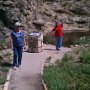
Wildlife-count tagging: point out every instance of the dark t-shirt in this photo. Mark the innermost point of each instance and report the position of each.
(17, 38)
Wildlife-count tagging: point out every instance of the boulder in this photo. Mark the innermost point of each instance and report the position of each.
(49, 13)
(69, 21)
(39, 22)
(80, 20)
(9, 3)
(57, 8)
(25, 12)
(78, 10)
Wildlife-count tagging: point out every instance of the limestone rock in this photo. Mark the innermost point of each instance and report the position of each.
(39, 22)
(57, 8)
(80, 20)
(78, 10)
(27, 12)
(9, 3)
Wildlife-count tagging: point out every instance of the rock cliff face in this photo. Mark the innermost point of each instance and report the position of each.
(41, 14)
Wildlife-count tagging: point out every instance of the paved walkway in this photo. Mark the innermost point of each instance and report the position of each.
(29, 76)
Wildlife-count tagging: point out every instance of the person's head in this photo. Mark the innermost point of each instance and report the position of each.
(58, 22)
(17, 26)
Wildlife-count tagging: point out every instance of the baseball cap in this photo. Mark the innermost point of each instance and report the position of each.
(17, 24)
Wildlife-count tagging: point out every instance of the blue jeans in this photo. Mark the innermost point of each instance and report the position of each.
(17, 55)
(59, 42)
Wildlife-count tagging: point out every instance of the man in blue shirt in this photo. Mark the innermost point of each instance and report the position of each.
(17, 37)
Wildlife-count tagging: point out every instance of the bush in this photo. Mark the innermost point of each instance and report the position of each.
(68, 77)
(3, 44)
(85, 57)
(68, 74)
(5, 64)
(82, 40)
(2, 80)
(49, 39)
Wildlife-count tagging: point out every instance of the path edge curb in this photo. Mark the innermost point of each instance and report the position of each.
(43, 83)
(5, 87)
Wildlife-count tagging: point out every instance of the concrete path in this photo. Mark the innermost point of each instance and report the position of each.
(28, 77)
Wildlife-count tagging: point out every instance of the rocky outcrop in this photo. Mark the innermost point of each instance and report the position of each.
(80, 20)
(32, 12)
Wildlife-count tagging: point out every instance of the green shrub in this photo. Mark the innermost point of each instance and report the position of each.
(3, 44)
(5, 64)
(67, 58)
(1, 57)
(86, 69)
(69, 75)
(49, 39)
(7, 54)
(82, 40)
(2, 80)
(4, 69)
(85, 56)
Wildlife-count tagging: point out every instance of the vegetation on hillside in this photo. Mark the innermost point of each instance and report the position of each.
(28, 11)
(5, 60)
(82, 40)
(72, 73)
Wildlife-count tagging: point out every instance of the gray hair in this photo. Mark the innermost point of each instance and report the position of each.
(59, 21)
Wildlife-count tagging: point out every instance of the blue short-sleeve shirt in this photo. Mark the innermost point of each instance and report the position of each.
(17, 38)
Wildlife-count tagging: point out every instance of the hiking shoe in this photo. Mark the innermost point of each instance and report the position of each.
(14, 68)
(19, 66)
(58, 49)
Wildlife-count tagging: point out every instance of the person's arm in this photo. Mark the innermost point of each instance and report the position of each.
(54, 29)
(62, 25)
